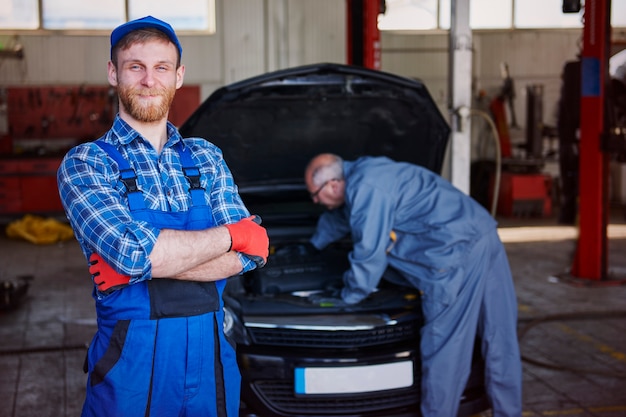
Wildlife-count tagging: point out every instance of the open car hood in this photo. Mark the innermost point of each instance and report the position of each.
(270, 126)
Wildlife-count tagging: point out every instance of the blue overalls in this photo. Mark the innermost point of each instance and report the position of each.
(448, 247)
(160, 348)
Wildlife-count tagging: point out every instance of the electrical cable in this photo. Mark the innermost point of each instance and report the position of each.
(590, 315)
(496, 136)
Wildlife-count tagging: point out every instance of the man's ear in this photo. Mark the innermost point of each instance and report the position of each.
(180, 76)
(112, 74)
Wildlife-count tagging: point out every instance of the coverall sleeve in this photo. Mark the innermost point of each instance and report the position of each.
(371, 221)
(331, 226)
(99, 217)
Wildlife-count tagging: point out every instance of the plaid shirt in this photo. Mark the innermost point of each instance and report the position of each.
(97, 208)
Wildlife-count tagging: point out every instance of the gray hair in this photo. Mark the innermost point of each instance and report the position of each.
(330, 171)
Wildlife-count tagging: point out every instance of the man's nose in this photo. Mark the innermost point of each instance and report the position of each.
(148, 78)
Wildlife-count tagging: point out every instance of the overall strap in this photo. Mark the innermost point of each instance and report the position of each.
(127, 176)
(192, 173)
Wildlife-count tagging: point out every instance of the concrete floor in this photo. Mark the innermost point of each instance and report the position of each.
(572, 331)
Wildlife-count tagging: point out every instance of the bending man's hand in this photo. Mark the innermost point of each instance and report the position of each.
(250, 238)
(328, 298)
(105, 277)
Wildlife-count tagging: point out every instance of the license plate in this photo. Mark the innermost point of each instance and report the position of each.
(353, 379)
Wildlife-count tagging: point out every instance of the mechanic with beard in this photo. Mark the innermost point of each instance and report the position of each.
(162, 224)
(441, 242)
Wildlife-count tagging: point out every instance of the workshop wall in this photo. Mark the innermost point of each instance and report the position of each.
(255, 36)
(425, 56)
(58, 94)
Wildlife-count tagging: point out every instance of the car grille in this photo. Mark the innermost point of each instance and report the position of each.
(340, 339)
(279, 395)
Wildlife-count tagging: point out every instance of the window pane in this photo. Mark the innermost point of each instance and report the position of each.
(81, 14)
(444, 14)
(498, 17)
(618, 13)
(19, 14)
(491, 14)
(409, 15)
(545, 14)
(181, 14)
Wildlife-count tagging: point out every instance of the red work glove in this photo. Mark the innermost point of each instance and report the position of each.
(250, 238)
(104, 276)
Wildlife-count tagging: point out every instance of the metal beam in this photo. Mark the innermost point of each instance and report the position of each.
(460, 93)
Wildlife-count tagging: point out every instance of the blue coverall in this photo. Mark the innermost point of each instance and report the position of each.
(447, 246)
(160, 349)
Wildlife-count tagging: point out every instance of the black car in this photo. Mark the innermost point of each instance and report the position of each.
(298, 358)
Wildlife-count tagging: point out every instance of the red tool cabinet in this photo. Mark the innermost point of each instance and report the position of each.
(524, 195)
(29, 186)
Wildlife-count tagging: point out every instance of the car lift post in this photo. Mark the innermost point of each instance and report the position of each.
(590, 260)
(363, 34)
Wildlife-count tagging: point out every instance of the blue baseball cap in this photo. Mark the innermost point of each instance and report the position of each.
(143, 23)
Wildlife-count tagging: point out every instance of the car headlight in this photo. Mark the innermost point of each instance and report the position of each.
(233, 327)
(229, 322)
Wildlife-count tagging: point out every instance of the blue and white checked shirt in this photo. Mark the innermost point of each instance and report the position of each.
(96, 206)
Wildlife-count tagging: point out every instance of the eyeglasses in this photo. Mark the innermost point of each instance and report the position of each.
(314, 194)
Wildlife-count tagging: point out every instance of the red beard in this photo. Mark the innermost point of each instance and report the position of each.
(153, 111)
